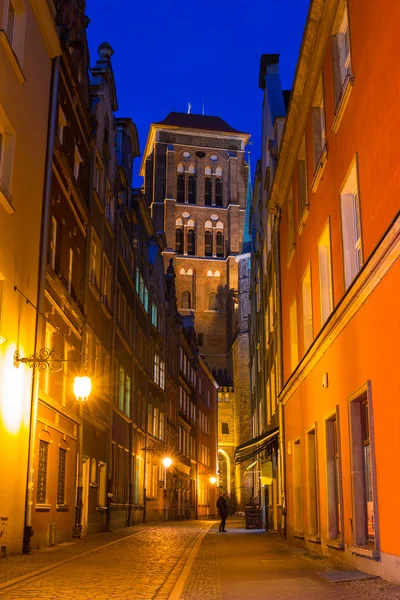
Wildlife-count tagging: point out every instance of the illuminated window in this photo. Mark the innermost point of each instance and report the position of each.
(62, 122)
(308, 331)
(351, 226)
(42, 472)
(128, 396)
(62, 463)
(325, 274)
(70, 268)
(318, 122)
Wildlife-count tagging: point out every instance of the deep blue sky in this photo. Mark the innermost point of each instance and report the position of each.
(169, 53)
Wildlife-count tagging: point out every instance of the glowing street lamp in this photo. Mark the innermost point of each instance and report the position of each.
(82, 388)
(167, 462)
(213, 480)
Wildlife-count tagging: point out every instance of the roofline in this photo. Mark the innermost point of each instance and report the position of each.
(154, 127)
(265, 60)
(317, 32)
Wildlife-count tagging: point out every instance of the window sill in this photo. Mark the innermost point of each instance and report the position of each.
(298, 535)
(303, 219)
(335, 544)
(6, 200)
(366, 552)
(12, 56)
(101, 508)
(319, 169)
(62, 507)
(342, 102)
(314, 539)
(43, 507)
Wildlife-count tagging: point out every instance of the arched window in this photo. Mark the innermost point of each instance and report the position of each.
(220, 243)
(179, 240)
(186, 300)
(209, 273)
(180, 188)
(212, 301)
(218, 191)
(191, 242)
(191, 189)
(208, 239)
(207, 191)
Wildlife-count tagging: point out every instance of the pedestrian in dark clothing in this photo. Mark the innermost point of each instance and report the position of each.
(222, 505)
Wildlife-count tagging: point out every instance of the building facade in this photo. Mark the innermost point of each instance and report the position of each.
(195, 185)
(29, 48)
(335, 193)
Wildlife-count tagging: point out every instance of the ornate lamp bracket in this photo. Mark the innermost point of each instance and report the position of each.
(48, 360)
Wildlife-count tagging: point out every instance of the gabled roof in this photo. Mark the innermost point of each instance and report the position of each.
(191, 121)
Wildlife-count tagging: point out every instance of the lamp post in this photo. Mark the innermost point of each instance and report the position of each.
(82, 389)
(167, 462)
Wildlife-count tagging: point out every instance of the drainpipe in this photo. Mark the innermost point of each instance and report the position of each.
(44, 234)
(280, 373)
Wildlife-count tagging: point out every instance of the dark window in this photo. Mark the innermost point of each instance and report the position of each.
(207, 191)
(220, 243)
(225, 427)
(186, 300)
(212, 301)
(191, 242)
(179, 240)
(218, 191)
(180, 195)
(42, 472)
(208, 243)
(191, 189)
(62, 461)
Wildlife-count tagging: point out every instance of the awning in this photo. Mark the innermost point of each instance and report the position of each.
(255, 446)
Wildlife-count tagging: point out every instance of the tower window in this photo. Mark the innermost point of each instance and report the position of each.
(225, 427)
(191, 189)
(191, 242)
(207, 191)
(180, 194)
(212, 301)
(218, 192)
(186, 300)
(208, 243)
(179, 240)
(220, 243)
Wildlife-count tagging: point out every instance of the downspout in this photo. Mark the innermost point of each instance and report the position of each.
(280, 372)
(44, 234)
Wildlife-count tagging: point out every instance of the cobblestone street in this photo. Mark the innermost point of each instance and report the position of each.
(183, 560)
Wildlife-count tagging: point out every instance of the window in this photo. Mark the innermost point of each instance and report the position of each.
(312, 484)
(208, 239)
(325, 273)
(191, 189)
(258, 358)
(11, 23)
(191, 242)
(102, 490)
(42, 472)
(179, 240)
(333, 477)
(62, 463)
(128, 396)
(180, 185)
(156, 371)
(62, 122)
(70, 268)
(53, 242)
(294, 342)
(162, 374)
(7, 139)
(106, 291)
(302, 190)
(77, 162)
(308, 333)
(110, 206)
(98, 178)
(225, 428)
(186, 300)
(318, 123)
(290, 216)
(207, 191)
(218, 192)
(220, 243)
(351, 226)
(362, 471)
(212, 301)
(154, 314)
(121, 395)
(297, 488)
(341, 55)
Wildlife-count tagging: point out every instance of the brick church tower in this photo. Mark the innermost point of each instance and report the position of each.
(195, 185)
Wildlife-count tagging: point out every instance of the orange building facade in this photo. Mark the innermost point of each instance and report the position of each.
(335, 195)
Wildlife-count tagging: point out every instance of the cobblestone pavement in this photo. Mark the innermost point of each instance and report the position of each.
(141, 567)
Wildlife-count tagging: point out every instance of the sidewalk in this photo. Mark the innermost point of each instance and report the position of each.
(250, 565)
(18, 565)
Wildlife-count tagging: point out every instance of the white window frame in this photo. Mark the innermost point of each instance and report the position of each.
(351, 225)
(325, 273)
(6, 161)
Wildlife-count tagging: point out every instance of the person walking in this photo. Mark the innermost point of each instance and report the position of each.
(222, 505)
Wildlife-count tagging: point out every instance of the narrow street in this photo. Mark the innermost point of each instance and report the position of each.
(184, 560)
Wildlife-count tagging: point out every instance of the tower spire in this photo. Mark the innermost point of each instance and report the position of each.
(246, 244)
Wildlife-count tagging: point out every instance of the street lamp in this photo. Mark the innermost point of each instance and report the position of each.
(167, 462)
(82, 388)
(213, 480)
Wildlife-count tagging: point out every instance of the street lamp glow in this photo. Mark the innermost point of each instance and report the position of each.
(167, 462)
(82, 388)
(213, 480)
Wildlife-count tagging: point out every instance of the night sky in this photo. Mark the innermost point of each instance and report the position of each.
(169, 53)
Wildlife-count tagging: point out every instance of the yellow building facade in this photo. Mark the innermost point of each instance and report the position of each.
(28, 45)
